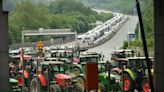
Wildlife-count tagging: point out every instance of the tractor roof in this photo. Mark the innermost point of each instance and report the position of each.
(102, 62)
(89, 54)
(26, 57)
(54, 59)
(122, 50)
(61, 51)
(64, 59)
(51, 62)
(138, 58)
(122, 59)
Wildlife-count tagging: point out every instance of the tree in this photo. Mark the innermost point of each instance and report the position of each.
(29, 16)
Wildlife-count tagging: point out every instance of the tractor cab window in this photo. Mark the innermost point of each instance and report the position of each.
(76, 54)
(145, 63)
(119, 55)
(135, 64)
(92, 59)
(69, 54)
(121, 63)
(88, 59)
(128, 54)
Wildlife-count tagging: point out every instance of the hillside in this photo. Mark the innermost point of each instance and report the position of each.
(27, 14)
(124, 6)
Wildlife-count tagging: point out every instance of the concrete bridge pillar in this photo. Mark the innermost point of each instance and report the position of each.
(4, 64)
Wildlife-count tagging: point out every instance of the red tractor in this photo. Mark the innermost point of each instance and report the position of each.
(53, 79)
(20, 73)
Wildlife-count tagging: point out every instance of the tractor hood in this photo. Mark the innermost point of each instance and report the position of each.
(105, 75)
(63, 76)
(12, 80)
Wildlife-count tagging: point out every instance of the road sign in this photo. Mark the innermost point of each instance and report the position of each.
(131, 37)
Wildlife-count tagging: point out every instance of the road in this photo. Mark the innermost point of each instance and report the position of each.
(117, 41)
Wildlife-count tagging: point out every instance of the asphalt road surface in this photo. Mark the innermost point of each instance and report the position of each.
(117, 41)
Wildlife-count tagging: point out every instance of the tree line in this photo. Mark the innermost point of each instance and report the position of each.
(58, 14)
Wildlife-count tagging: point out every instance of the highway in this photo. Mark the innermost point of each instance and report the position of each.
(117, 41)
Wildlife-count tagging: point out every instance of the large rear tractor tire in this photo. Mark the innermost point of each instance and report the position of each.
(20, 80)
(26, 89)
(128, 85)
(145, 85)
(76, 88)
(54, 88)
(35, 85)
(81, 82)
(101, 87)
(77, 71)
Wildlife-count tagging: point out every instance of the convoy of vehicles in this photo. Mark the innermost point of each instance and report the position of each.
(65, 71)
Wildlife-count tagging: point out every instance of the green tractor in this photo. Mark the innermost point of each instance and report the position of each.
(134, 74)
(52, 79)
(79, 71)
(108, 83)
(14, 85)
(84, 58)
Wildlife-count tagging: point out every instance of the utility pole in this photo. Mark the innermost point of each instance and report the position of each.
(145, 46)
(4, 61)
(159, 45)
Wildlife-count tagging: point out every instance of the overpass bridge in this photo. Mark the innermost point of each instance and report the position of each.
(47, 32)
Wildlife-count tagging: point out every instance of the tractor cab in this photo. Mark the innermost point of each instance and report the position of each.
(135, 74)
(52, 66)
(123, 53)
(72, 55)
(58, 53)
(87, 57)
(90, 57)
(17, 61)
(139, 65)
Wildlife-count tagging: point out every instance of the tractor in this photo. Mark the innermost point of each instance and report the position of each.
(16, 70)
(108, 83)
(14, 85)
(86, 57)
(134, 74)
(79, 70)
(71, 55)
(52, 79)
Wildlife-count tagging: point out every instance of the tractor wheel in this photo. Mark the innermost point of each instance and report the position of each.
(76, 88)
(145, 85)
(25, 89)
(81, 82)
(128, 85)
(35, 85)
(77, 71)
(20, 80)
(101, 87)
(54, 88)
